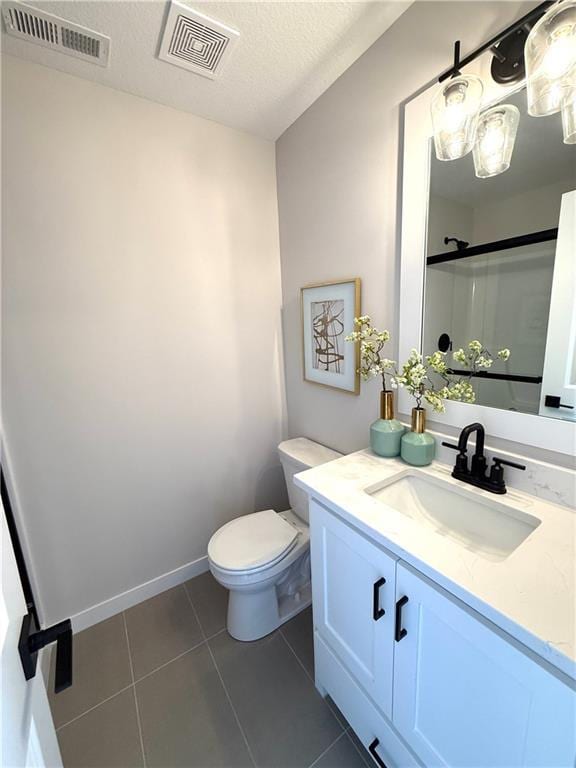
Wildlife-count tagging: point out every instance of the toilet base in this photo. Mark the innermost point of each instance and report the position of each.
(260, 602)
(253, 615)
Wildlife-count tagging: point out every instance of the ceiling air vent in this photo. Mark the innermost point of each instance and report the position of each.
(196, 42)
(53, 32)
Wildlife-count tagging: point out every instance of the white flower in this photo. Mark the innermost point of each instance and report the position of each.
(460, 356)
(503, 354)
(475, 346)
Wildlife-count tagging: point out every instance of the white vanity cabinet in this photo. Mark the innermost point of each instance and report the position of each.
(464, 695)
(353, 585)
(429, 682)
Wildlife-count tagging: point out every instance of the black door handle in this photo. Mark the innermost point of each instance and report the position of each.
(377, 612)
(33, 640)
(375, 755)
(399, 632)
(553, 401)
(63, 677)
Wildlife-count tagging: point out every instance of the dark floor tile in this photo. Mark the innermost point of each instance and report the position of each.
(366, 757)
(101, 669)
(337, 714)
(186, 718)
(105, 737)
(210, 601)
(299, 633)
(286, 722)
(161, 629)
(342, 754)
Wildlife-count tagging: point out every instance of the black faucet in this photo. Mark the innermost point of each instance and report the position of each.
(476, 475)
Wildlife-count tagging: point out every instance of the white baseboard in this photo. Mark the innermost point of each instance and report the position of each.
(118, 603)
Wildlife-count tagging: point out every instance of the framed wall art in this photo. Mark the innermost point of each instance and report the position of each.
(328, 312)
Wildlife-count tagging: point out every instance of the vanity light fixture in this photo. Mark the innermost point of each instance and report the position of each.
(495, 137)
(549, 60)
(455, 111)
(456, 106)
(550, 54)
(569, 118)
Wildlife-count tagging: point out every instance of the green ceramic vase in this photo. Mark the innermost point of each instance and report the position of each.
(386, 432)
(417, 447)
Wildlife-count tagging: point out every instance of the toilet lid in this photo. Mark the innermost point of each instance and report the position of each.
(251, 541)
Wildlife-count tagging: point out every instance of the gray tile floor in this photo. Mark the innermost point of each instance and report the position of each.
(163, 685)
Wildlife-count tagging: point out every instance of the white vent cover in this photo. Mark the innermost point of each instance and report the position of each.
(196, 42)
(50, 31)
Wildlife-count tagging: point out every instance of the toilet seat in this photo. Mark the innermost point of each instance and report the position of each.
(252, 543)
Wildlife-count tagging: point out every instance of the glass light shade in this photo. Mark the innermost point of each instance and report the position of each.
(455, 111)
(495, 136)
(569, 118)
(550, 54)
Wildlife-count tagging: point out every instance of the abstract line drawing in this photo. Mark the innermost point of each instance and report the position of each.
(328, 335)
(328, 312)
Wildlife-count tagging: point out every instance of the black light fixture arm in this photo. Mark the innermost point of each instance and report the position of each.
(456, 65)
(529, 19)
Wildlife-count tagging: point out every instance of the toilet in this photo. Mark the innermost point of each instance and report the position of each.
(263, 559)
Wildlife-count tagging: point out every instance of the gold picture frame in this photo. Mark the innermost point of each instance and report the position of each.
(327, 312)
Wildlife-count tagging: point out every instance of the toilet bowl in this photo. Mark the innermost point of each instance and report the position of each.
(263, 559)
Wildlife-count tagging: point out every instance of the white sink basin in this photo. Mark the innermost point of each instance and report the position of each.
(487, 527)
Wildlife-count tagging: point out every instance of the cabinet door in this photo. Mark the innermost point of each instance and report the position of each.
(353, 592)
(465, 695)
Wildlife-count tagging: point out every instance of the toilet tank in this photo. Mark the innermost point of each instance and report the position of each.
(297, 455)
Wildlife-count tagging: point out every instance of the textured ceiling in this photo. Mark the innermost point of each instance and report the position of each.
(288, 54)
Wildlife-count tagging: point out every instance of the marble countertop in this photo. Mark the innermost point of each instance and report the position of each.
(531, 594)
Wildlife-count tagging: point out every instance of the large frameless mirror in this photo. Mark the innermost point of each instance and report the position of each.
(497, 268)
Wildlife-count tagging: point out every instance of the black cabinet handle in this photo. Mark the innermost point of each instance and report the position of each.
(399, 632)
(375, 755)
(377, 612)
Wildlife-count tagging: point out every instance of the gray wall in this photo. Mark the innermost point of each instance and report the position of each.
(143, 390)
(338, 193)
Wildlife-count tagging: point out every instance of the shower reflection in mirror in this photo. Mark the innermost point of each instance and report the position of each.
(500, 268)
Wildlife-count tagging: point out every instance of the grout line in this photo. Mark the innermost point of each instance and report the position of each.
(195, 612)
(328, 704)
(134, 689)
(357, 748)
(231, 705)
(143, 677)
(328, 748)
(308, 675)
(73, 720)
(128, 646)
(166, 663)
(217, 668)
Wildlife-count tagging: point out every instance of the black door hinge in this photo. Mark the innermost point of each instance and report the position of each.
(33, 640)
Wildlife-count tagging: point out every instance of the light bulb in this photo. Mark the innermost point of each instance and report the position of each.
(560, 54)
(454, 114)
(454, 107)
(496, 134)
(550, 55)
